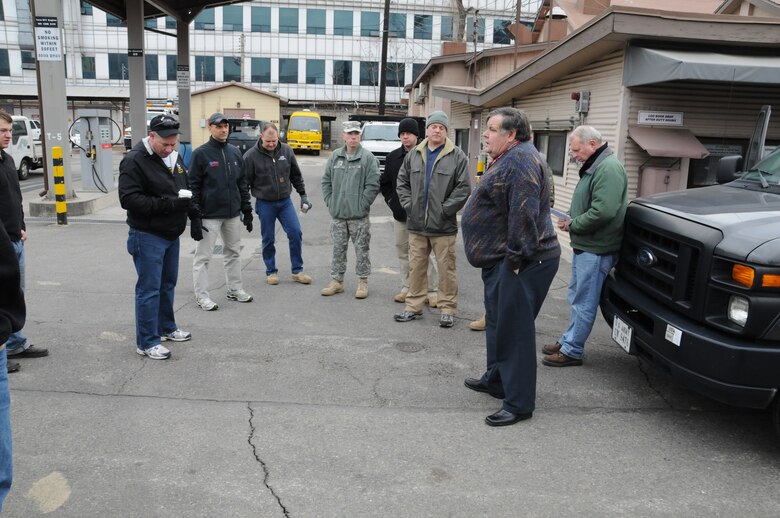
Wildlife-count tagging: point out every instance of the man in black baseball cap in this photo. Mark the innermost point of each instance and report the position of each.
(164, 126)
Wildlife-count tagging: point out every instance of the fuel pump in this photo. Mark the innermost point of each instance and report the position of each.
(96, 141)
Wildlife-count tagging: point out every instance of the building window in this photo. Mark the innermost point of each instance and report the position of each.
(342, 72)
(28, 60)
(395, 74)
(150, 23)
(397, 25)
(369, 24)
(88, 67)
(86, 9)
(170, 67)
(231, 68)
(205, 20)
(288, 20)
(446, 28)
(462, 140)
(170, 22)
(472, 31)
(417, 69)
(315, 71)
(5, 66)
(423, 26)
(117, 66)
(233, 18)
(369, 73)
(152, 70)
(342, 23)
(315, 21)
(501, 32)
(261, 19)
(113, 21)
(261, 70)
(204, 68)
(552, 145)
(288, 71)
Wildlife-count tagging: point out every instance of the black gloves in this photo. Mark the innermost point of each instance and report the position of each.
(305, 204)
(247, 220)
(179, 204)
(196, 229)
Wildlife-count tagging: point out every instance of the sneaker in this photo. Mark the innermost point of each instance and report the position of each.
(206, 304)
(272, 279)
(549, 349)
(432, 300)
(406, 316)
(239, 296)
(478, 325)
(362, 288)
(332, 288)
(176, 336)
(31, 352)
(446, 320)
(155, 352)
(401, 297)
(12, 367)
(561, 360)
(303, 278)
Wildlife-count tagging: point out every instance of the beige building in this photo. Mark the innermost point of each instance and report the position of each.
(236, 101)
(671, 91)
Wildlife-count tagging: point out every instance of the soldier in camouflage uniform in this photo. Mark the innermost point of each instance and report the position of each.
(349, 185)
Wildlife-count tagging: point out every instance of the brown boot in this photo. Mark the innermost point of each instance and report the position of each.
(401, 297)
(362, 289)
(478, 325)
(332, 288)
(551, 348)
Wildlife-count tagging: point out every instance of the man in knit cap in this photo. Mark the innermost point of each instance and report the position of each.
(433, 185)
(408, 132)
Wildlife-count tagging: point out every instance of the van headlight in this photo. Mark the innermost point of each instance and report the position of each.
(738, 310)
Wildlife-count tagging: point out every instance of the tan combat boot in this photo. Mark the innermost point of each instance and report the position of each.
(478, 325)
(332, 288)
(362, 289)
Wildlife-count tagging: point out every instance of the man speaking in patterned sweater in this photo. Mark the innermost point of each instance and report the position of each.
(507, 231)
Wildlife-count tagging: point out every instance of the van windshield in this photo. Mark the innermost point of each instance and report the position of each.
(381, 132)
(304, 123)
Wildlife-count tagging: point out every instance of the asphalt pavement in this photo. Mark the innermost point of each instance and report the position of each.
(301, 405)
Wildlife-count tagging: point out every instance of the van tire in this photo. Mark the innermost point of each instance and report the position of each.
(775, 413)
(24, 169)
(317, 153)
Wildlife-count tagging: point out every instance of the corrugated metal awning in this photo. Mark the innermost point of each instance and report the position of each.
(668, 142)
(649, 66)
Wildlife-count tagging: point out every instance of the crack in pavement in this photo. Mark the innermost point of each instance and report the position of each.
(131, 378)
(263, 464)
(646, 374)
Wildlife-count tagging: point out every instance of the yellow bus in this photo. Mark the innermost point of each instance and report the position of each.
(304, 131)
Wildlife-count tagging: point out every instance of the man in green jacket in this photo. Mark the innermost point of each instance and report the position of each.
(349, 186)
(433, 185)
(598, 207)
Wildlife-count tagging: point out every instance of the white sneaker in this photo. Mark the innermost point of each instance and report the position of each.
(176, 336)
(239, 296)
(206, 304)
(155, 352)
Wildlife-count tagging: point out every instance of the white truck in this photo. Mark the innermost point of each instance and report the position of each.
(25, 148)
(380, 137)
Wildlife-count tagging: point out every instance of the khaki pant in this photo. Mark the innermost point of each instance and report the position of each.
(230, 231)
(443, 248)
(402, 250)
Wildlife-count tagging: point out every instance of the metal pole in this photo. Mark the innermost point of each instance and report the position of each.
(383, 65)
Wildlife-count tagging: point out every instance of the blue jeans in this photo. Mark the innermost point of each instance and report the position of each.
(157, 263)
(284, 211)
(17, 341)
(588, 272)
(512, 302)
(6, 460)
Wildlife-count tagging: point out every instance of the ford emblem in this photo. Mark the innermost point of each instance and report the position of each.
(646, 258)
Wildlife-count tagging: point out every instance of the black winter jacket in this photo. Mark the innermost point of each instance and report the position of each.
(11, 210)
(219, 188)
(271, 175)
(12, 309)
(147, 190)
(388, 182)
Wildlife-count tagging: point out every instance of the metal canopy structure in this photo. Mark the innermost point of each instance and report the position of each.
(184, 10)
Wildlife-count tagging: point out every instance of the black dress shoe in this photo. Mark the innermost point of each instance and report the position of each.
(475, 384)
(12, 366)
(31, 352)
(504, 418)
(406, 316)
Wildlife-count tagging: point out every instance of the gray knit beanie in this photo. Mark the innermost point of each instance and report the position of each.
(438, 117)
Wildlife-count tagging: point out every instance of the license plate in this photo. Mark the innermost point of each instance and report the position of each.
(622, 333)
(304, 147)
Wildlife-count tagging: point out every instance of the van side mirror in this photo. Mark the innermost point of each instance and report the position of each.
(728, 168)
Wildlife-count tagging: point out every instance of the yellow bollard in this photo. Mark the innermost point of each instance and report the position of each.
(480, 167)
(59, 186)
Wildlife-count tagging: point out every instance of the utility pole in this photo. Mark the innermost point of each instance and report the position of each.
(383, 64)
